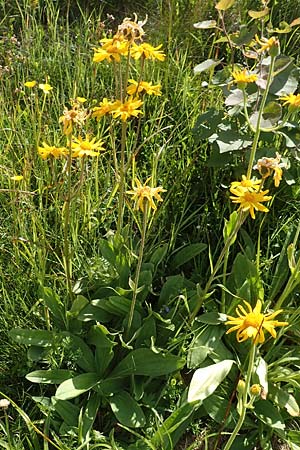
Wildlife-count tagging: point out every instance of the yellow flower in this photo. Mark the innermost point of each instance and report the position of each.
(266, 165)
(249, 199)
(243, 76)
(255, 389)
(80, 99)
(86, 147)
(46, 88)
(271, 45)
(112, 49)
(147, 51)
(246, 184)
(144, 194)
(143, 86)
(30, 84)
(17, 177)
(127, 109)
(51, 150)
(251, 323)
(77, 115)
(106, 107)
(292, 100)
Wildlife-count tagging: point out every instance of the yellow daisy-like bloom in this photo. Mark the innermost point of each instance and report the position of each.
(111, 50)
(147, 51)
(86, 147)
(106, 107)
(249, 199)
(292, 100)
(30, 84)
(246, 184)
(17, 177)
(250, 324)
(51, 150)
(271, 45)
(144, 194)
(265, 166)
(143, 87)
(74, 116)
(243, 76)
(46, 88)
(127, 109)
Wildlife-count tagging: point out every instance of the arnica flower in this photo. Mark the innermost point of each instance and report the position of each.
(17, 177)
(131, 30)
(112, 49)
(46, 88)
(255, 389)
(250, 324)
(247, 184)
(146, 51)
(143, 87)
(265, 166)
(51, 150)
(243, 76)
(271, 45)
(250, 200)
(144, 194)
(127, 109)
(106, 107)
(86, 147)
(292, 100)
(30, 84)
(74, 116)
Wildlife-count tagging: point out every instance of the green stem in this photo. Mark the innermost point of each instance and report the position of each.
(245, 398)
(138, 268)
(122, 180)
(259, 117)
(223, 299)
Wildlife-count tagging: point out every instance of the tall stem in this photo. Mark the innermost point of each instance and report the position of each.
(259, 117)
(245, 399)
(122, 179)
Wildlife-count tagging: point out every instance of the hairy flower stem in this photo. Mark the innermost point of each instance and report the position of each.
(223, 298)
(138, 268)
(218, 264)
(259, 117)
(122, 180)
(245, 398)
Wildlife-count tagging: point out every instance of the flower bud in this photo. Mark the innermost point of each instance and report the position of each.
(255, 389)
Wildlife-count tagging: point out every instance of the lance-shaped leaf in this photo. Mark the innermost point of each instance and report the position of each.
(206, 65)
(222, 5)
(205, 24)
(76, 386)
(127, 410)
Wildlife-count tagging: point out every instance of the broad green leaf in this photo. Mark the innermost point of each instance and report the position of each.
(159, 254)
(67, 410)
(212, 318)
(229, 226)
(217, 408)
(206, 65)
(54, 376)
(205, 24)
(206, 380)
(272, 112)
(186, 254)
(222, 5)
(127, 410)
(83, 355)
(40, 338)
(78, 305)
(235, 98)
(268, 414)
(229, 141)
(261, 372)
(76, 386)
(203, 344)
(53, 302)
(144, 361)
(285, 400)
(259, 14)
(264, 123)
(91, 312)
(244, 36)
(89, 415)
(99, 336)
(173, 287)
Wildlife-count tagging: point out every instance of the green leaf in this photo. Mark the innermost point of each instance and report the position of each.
(216, 407)
(127, 410)
(272, 112)
(98, 336)
(229, 141)
(53, 302)
(261, 373)
(76, 386)
(67, 410)
(159, 254)
(186, 254)
(223, 5)
(173, 287)
(78, 305)
(268, 414)
(236, 97)
(40, 338)
(259, 14)
(206, 380)
(144, 361)
(206, 65)
(54, 376)
(229, 226)
(284, 400)
(83, 354)
(205, 24)
(89, 415)
(91, 312)
(203, 344)
(212, 318)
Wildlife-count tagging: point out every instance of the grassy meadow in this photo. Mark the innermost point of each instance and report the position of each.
(149, 225)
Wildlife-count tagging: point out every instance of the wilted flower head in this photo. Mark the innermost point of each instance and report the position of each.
(265, 166)
(131, 30)
(144, 194)
(4, 403)
(271, 45)
(251, 323)
(74, 116)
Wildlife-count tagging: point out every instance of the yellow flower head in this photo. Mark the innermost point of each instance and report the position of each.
(106, 107)
(30, 84)
(255, 389)
(249, 199)
(51, 150)
(292, 100)
(74, 116)
(243, 76)
(246, 184)
(127, 109)
(131, 30)
(112, 49)
(46, 88)
(146, 51)
(271, 45)
(143, 87)
(144, 194)
(17, 177)
(86, 147)
(252, 323)
(265, 166)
